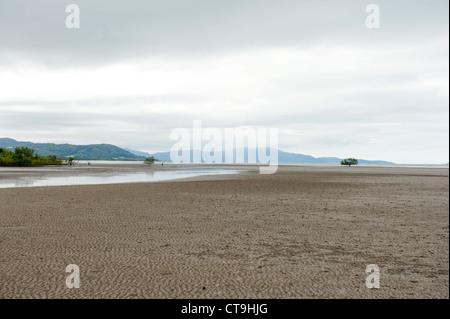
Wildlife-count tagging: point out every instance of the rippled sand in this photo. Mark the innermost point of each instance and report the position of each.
(301, 233)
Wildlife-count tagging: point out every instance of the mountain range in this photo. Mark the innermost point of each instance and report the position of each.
(283, 157)
(79, 152)
(112, 152)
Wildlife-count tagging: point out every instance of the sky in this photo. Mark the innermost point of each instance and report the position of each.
(136, 70)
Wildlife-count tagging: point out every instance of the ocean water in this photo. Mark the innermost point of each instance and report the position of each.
(150, 176)
(115, 172)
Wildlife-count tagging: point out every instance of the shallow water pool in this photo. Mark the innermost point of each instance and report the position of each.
(151, 176)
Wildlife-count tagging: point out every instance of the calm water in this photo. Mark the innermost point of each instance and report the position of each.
(55, 176)
(151, 176)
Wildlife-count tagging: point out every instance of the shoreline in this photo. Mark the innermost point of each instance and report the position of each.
(15, 175)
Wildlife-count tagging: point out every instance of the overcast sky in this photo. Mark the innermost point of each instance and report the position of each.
(135, 70)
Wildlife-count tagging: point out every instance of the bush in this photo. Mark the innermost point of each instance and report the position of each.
(24, 156)
(349, 161)
(149, 160)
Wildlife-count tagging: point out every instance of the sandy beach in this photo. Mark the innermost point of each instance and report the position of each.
(304, 232)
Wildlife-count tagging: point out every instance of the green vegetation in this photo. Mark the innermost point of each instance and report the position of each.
(349, 161)
(149, 160)
(78, 152)
(24, 156)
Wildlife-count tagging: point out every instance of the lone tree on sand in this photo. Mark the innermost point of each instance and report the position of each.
(349, 161)
(149, 160)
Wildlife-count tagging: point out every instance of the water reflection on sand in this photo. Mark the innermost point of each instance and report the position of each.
(33, 180)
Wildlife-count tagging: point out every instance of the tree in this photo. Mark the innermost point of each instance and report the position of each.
(349, 161)
(23, 156)
(24, 151)
(149, 160)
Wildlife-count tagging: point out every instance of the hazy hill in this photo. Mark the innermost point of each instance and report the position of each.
(137, 153)
(112, 152)
(283, 157)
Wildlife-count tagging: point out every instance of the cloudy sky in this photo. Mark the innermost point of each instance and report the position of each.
(135, 70)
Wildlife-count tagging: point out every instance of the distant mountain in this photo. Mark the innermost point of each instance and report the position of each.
(283, 157)
(9, 142)
(137, 153)
(111, 152)
(79, 152)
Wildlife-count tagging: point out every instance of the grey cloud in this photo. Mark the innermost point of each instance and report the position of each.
(151, 132)
(397, 106)
(115, 30)
(386, 107)
(108, 101)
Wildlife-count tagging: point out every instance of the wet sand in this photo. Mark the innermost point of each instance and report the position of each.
(100, 174)
(305, 232)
